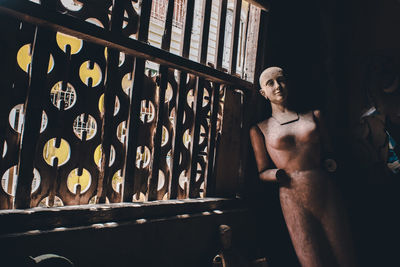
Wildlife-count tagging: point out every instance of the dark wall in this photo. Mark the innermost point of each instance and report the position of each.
(325, 47)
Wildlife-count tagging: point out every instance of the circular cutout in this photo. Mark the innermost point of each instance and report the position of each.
(186, 138)
(168, 159)
(24, 58)
(161, 180)
(95, 22)
(117, 181)
(172, 116)
(176, 75)
(17, 116)
(5, 149)
(127, 82)
(45, 202)
(51, 64)
(36, 180)
(169, 93)
(198, 172)
(125, 22)
(116, 107)
(51, 152)
(72, 5)
(68, 96)
(121, 132)
(121, 57)
(90, 74)
(64, 40)
(97, 156)
(94, 199)
(74, 179)
(81, 125)
(142, 157)
(183, 180)
(190, 98)
(206, 97)
(202, 190)
(147, 111)
(10, 179)
(44, 122)
(165, 136)
(139, 197)
(202, 134)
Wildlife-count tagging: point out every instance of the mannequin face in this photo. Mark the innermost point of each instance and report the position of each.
(273, 85)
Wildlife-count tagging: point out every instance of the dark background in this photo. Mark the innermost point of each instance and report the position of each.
(325, 47)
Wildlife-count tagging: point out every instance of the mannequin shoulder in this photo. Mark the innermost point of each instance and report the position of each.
(260, 129)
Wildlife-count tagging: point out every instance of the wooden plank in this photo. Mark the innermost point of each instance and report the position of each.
(165, 44)
(180, 103)
(229, 147)
(210, 182)
(111, 85)
(250, 97)
(198, 100)
(134, 117)
(33, 116)
(166, 38)
(235, 36)
(221, 33)
(36, 14)
(37, 219)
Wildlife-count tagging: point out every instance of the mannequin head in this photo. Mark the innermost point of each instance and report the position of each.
(273, 85)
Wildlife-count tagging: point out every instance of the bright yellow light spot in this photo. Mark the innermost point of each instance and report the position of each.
(85, 73)
(74, 179)
(24, 58)
(50, 152)
(127, 83)
(101, 104)
(116, 181)
(64, 39)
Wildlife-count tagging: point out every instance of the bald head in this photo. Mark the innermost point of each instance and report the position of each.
(269, 73)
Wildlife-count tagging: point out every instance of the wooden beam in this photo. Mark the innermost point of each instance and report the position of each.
(165, 44)
(33, 117)
(38, 15)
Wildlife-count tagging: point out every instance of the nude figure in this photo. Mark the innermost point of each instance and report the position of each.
(288, 149)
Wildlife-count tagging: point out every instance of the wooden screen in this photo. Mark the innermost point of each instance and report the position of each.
(98, 105)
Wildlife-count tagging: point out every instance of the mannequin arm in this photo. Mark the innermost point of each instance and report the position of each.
(262, 158)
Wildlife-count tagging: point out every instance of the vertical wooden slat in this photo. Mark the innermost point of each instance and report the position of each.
(249, 98)
(166, 38)
(9, 30)
(181, 99)
(244, 38)
(205, 26)
(210, 183)
(134, 117)
(165, 44)
(229, 147)
(221, 33)
(198, 100)
(235, 36)
(33, 116)
(212, 134)
(111, 85)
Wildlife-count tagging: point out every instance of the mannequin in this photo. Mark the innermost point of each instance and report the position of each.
(288, 149)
